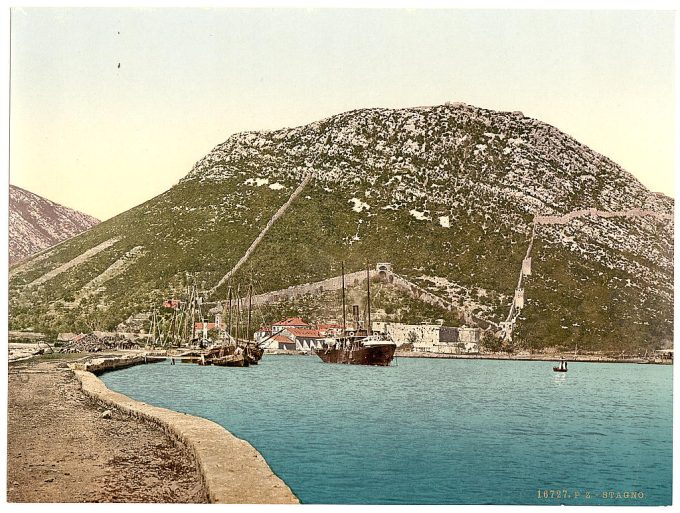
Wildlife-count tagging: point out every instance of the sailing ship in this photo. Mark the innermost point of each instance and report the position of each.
(230, 351)
(234, 352)
(359, 347)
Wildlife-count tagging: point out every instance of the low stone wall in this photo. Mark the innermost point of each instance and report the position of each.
(232, 471)
(72, 263)
(101, 365)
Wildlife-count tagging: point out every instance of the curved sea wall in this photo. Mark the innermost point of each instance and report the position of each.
(231, 470)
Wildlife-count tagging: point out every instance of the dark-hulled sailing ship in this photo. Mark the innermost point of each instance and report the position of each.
(361, 346)
(234, 352)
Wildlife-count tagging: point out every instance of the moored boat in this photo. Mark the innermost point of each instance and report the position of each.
(368, 350)
(232, 360)
(361, 347)
(234, 351)
(253, 353)
(562, 367)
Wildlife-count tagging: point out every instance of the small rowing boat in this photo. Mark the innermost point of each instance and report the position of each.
(562, 367)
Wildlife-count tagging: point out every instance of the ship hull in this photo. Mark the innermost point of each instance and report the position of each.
(380, 355)
(230, 361)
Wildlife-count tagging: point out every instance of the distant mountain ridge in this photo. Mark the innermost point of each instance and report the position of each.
(451, 195)
(36, 223)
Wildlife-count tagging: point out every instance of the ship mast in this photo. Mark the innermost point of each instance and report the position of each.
(193, 308)
(153, 328)
(344, 319)
(368, 293)
(238, 309)
(250, 302)
(185, 319)
(229, 310)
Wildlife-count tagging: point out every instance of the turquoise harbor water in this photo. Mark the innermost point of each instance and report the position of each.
(428, 431)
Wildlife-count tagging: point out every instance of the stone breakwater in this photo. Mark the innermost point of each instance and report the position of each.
(105, 364)
(231, 470)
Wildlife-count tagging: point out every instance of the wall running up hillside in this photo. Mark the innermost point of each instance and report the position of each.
(519, 298)
(260, 236)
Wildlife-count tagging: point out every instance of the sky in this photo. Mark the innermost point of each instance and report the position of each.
(110, 107)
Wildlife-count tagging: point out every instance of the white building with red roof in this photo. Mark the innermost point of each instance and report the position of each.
(263, 334)
(305, 338)
(278, 342)
(294, 333)
(291, 322)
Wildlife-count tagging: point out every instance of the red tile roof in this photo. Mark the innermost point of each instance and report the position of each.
(282, 339)
(209, 325)
(328, 326)
(291, 321)
(302, 332)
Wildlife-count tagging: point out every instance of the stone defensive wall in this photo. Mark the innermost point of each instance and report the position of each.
(351, 279)
(419, 292)
(74, 262)
(331, 284)
(232, 471)
(355, 278)
(518, 300)
(282, 210)
(566, 218)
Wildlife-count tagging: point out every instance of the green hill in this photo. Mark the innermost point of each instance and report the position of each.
(447, 194)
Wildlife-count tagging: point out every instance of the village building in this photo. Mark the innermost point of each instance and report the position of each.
(279, 342)
(172, 303)
(135, 323)
(469, 335)
(202, 328)
(206, 326)
(262, 334)
(432, 338)
(329, 330)
(295, 333)
(305, 339)
(66, 337)
(664, 354)
(291, 322)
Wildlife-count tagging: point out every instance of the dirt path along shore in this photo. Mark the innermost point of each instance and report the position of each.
(61, 448)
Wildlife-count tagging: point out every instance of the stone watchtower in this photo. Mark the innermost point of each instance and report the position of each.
(384, 270)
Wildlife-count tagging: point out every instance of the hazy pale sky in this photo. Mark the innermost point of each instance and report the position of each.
(102, 138)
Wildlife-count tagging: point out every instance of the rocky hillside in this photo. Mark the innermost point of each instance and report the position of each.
(448, 194)
(36, 223)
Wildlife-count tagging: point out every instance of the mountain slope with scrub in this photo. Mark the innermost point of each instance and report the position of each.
(451, 195)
